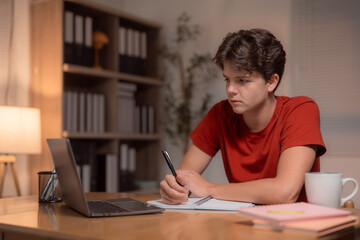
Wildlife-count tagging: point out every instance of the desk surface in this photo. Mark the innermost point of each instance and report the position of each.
(24, 217)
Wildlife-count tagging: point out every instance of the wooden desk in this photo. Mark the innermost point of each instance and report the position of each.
(25, 218)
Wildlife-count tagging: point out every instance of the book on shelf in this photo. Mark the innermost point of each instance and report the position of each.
(130, 50)
(150, 119)
(137, 119)
(68, 37)
(82, 112)
(79, 39)
(318, 227)
(122, 49)
(70, 100)
(123, 158)
(95, 116)
(71, 111)
(64, 109)
(136, 53)
(86, 177)
(112, 170)
(88, 56)
(89, 113)
(74, 111)
(102, 113)
(143, 53)
(292, 212)
(127, 159)
(144, 119)
(132, 168)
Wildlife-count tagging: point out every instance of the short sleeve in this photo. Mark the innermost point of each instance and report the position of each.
(302, 127)
(206, 135)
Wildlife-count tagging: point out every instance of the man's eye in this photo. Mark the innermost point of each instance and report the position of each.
(241, 81)
(226, 79)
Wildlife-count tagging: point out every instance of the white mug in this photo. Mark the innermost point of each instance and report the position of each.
(325, 188)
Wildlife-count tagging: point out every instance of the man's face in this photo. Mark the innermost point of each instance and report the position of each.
(246, 92)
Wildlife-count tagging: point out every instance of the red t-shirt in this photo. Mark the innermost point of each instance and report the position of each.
(251, 155)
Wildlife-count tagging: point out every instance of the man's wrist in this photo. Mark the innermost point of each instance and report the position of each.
(212, 190)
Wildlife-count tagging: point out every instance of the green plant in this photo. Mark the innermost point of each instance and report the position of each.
(184, 108)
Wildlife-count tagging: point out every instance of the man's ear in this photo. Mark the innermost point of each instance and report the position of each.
(273, 82)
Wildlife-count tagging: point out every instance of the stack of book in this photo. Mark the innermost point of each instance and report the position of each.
(126, 107)
(299, 218)
(132, 117)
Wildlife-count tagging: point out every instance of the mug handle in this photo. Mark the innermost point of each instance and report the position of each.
(345, 180)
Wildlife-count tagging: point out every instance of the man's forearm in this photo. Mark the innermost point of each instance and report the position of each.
(264, 191)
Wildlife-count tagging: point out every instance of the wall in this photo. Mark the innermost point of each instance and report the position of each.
(19, 84)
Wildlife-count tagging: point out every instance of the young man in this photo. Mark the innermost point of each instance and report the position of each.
(267, 142)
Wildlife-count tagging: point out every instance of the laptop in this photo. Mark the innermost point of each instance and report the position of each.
(73, 193)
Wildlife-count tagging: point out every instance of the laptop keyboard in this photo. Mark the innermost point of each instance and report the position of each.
(103, 207)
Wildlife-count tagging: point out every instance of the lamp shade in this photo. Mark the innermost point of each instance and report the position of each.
(19, 130)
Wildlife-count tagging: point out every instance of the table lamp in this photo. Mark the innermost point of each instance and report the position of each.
(19, 134)
(99, 41)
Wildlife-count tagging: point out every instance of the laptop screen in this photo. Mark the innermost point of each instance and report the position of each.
(65, 166)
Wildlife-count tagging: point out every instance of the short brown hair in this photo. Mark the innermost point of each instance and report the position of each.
(253, 50)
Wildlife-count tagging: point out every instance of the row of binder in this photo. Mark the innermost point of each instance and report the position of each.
(83, 112)
(78, 44)
(109, 172)
(132, 50)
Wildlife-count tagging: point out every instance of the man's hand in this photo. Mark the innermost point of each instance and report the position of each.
(195, 183)
(171, 192)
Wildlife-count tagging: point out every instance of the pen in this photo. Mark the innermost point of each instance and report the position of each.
(47, 188)
(203, 200)
(168, 161)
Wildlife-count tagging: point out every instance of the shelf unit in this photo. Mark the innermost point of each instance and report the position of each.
(51, 77)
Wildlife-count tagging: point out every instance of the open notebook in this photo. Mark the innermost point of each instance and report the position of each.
(212, 204)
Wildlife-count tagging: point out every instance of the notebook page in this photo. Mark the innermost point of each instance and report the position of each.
(212, 204)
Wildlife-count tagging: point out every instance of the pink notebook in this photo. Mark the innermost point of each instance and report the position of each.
(285, 213)
(318, 227)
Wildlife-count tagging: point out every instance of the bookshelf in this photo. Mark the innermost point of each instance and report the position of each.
(67, 88)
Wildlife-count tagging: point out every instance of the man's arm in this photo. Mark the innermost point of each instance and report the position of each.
(285, 187)
(195, 160)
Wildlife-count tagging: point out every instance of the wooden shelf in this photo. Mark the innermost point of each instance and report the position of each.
(91, 72)
(61, 71)
(110, 136)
